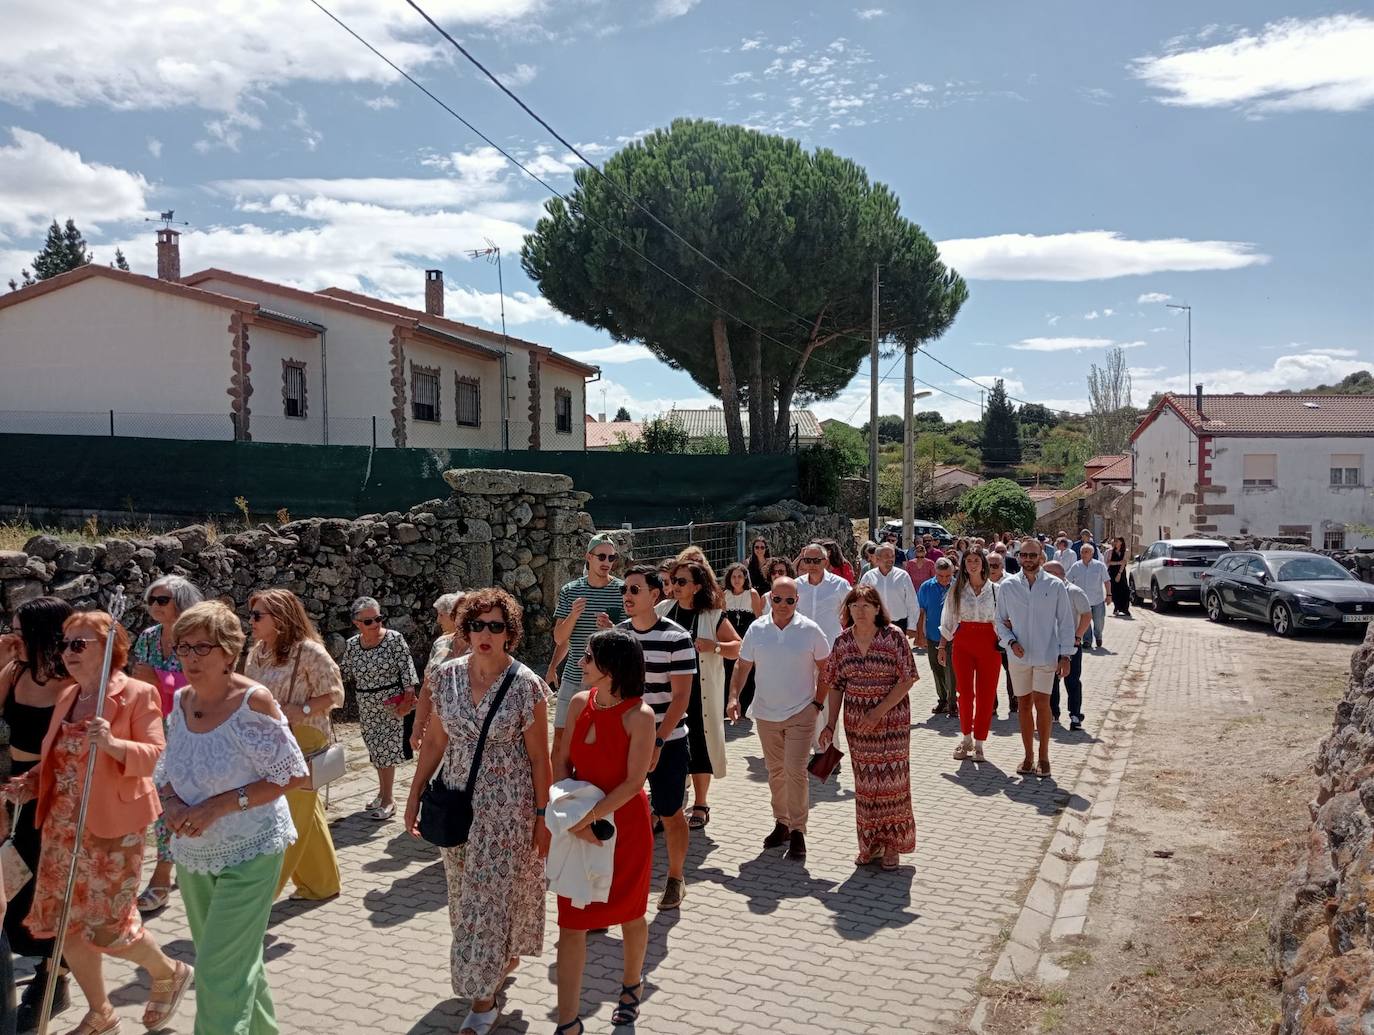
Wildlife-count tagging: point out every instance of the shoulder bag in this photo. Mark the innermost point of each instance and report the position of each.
(328, 763)
(446, 812)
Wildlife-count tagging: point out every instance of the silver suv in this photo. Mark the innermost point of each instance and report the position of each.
(1171, 570)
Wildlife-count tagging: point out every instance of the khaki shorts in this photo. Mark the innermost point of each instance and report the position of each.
(1028, 678)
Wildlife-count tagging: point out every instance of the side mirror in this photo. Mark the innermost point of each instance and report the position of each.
(1264, 577)
(1139, 557)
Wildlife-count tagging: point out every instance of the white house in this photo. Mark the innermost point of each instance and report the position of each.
(221, 355)
(1292, 465)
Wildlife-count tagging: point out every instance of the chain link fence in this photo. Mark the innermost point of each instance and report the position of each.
(721, 541)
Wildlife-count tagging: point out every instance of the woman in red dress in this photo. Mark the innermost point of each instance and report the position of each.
(611, 746)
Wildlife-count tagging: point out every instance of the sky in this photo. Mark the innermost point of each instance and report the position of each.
(1081, 165)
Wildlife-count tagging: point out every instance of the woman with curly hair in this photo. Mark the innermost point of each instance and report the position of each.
(496, 879)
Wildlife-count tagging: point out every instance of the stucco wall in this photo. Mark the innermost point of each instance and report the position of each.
(1165, 479)
(553, 377)
(447, 433)
(267, 348)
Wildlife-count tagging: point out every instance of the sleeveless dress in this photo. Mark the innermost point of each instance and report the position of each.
(739, 608)
(604, 763)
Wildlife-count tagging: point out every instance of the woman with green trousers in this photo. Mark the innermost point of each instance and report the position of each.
(229, 762)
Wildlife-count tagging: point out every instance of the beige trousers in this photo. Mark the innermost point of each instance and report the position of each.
(786, 750)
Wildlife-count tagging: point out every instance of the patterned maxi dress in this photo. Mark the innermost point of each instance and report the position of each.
(496, 880)
(147, 650)
(882, 779)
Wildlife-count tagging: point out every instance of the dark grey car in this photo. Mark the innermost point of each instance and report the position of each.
(1290, 590)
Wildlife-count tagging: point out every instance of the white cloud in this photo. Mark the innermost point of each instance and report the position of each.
(1072, 344)
(1052, 318)
(44, 181)
(621, 352)
(381, 102)
(1091, 315)
(155, 147)
(668, 9)
(1089, 255)
(752, 43)
(1316, 64)
(869, 13)
(1150, 297)
(520, 75)
(1305, 369)
(1157, 330)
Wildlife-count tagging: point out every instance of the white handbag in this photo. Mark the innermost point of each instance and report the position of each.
(328, 763)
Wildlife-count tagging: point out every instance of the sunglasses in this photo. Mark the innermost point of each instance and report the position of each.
(784, 600)
(812, 560)
(161, 599)
(633, 591)
(679, 581)
(369, 621)
(185, 650)
(258, 616)
(75, 646)
(477, 625)
(1032, 553)
(606, 558)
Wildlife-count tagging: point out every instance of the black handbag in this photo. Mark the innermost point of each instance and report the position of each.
(446, 812)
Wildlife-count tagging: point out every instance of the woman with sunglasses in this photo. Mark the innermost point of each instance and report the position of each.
(697, 605)
(289, 658)
(378, 665)
(496, 879)
(778, 568)
(760, 565)
(30, 686)
(123, 802)
(230, 761)
(152, 660)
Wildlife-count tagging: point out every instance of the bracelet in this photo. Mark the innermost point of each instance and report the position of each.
(539, 812)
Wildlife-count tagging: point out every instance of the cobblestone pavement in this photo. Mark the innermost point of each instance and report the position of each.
(762, 944)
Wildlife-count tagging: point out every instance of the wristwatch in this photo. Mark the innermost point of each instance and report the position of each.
(819, 707)
(658, 742)
(243, 799)
(716, 649)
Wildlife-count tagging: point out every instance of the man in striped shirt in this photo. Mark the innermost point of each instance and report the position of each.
(670, 664)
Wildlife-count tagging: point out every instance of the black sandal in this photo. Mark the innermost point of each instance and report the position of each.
(627, 1013)
(568, 1027)
(697, 822)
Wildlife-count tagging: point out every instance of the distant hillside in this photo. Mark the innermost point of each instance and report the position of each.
(1359, 383)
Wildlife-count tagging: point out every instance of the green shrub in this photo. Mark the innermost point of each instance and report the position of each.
(998, 504)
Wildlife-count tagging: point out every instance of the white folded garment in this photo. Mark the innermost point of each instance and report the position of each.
(577, 870)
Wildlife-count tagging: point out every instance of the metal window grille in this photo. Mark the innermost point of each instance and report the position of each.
(1333, 539)
(562, 411)
(467, 401)
(295, 390)
(426, 396)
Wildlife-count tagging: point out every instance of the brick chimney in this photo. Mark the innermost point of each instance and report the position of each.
(168, 255)
(434, 292)
(1199, 400)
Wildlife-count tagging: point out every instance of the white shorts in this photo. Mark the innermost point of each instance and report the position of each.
(1028, 678)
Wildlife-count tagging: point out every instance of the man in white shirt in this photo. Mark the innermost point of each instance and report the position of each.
(894, 587)
(1091, 576)
(789, 692)
(820, 595)
(1073, 682)
(1035, 625)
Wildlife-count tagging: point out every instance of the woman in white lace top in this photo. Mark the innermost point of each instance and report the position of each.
(230, 760)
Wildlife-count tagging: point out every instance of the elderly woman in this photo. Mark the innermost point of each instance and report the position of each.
(378, 665)
(919, 565)
(127, 740)
(32, 680)
(230, 760)
(870, 673)
(152, 660)
(449, 644)
(289, 658)
(496, 879)
(697, 605)
(866, 558)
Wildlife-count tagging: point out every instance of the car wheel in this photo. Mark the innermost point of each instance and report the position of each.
(1215, 612)
(1158, 600)
(1281, 619)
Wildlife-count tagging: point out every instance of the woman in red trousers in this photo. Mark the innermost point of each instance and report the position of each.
(968, 621)
(611, 746)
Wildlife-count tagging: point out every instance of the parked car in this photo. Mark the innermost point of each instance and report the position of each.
(1171, 570)
(1288, 589)
(920, 528)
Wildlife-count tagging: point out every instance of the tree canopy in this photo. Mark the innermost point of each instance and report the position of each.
(798, 232)
(1001, 443)
(63, 250)
(622, 415)
(999, 504)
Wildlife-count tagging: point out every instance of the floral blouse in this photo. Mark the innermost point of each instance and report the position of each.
(316, 676)
(147, 650)
(382, 667)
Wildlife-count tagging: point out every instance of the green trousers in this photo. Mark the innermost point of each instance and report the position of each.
(228, 913)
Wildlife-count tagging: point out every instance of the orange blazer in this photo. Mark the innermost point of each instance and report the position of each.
(123, 796)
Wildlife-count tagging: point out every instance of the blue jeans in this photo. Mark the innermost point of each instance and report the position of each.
(1099, 620)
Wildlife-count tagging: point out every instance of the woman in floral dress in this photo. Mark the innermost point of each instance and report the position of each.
(496, 879)
(870, 673)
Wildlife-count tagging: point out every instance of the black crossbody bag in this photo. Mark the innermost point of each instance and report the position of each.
(446, 812)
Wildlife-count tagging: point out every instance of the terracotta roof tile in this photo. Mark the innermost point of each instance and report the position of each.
(1272, 414)
(604, 434)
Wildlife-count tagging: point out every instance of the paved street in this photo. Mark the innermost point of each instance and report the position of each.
(762, 944)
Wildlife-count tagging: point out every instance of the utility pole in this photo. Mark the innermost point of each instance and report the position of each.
(873, 414)
(909, 397)
(1188, 387)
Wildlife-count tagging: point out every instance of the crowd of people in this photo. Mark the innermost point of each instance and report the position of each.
(217, 741)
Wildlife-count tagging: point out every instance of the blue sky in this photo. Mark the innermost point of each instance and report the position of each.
(1078, 162)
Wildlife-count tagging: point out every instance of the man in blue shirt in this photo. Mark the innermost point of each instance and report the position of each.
(930, 602)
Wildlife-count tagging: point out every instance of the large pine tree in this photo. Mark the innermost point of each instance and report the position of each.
(1001, 442)
(63, 250)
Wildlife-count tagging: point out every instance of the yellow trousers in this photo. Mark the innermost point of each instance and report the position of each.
(310, 862)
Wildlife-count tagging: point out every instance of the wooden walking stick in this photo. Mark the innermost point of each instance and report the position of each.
(116, 608)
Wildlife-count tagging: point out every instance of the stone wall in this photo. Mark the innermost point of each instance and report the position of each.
(522, 531)
(1112, 503)
(790, 525)
(1322, 932)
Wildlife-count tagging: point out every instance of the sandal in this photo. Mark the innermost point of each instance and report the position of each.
(891, 860)
(701, 815)
(1026, 768)
(89, 1026)
(869, 859)
(165, 996)
(480, 1023)
(568, 1027)
(375, 803)
(961, 751)
(978, 755)
(1042, 768)
(154, 897)
(627, 1013)
(658, 829)
(382, 813)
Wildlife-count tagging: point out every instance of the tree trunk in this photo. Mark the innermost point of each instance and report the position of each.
(760, 424)
(729, 387)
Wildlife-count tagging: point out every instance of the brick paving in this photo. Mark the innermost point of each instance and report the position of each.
(763, 944)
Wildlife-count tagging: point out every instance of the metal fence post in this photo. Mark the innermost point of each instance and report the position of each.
(690, 536)
(739, 542)
(234, 424)
(374, 431)
(112, 434)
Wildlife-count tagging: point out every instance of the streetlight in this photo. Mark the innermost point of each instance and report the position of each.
(1187, 388)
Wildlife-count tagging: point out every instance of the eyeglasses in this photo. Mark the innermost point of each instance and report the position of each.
(258, 616)
(812, 560)
(760, 546)
(606, 558)
(1028, 553)
(476, 625)
(633, 591)
(679, 581)
(369, 621)
(160, 599)
(75, 646)
(200, 650)
(784, 600)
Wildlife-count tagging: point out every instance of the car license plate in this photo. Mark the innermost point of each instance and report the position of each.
(1357, 618)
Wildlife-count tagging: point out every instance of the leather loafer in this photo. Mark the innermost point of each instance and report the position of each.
(796, 849)
(777, 838)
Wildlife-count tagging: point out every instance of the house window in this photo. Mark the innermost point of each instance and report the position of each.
(424, 393)
(1334, 538)
(467, 401)
(1303, 532)
(1260, 470)
(562, 411)
(293, 388)
(1346, 469)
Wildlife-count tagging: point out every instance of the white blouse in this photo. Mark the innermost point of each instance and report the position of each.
(243, 749)
(973, 607)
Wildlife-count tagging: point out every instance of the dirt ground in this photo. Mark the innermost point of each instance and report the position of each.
(1211, 817)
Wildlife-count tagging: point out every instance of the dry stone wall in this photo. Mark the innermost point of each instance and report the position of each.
(790, 525)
